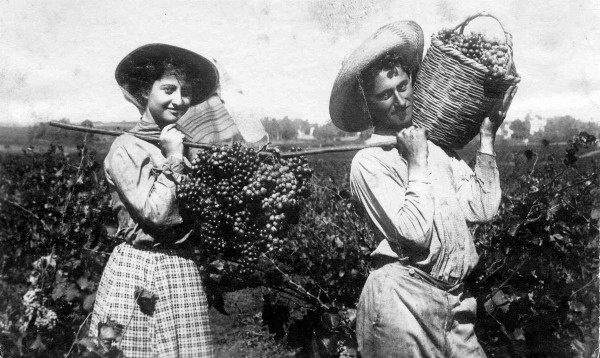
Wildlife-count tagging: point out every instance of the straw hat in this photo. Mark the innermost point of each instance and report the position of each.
(133, 69)
(347, 105)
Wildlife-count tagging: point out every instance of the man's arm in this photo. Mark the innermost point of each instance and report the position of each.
(400, 206)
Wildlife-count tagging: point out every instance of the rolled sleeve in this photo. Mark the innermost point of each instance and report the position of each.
(147, 184)
(479, 190)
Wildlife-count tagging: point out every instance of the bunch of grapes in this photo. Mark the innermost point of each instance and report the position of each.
(242, 203)
(44, 317)
(492, 53)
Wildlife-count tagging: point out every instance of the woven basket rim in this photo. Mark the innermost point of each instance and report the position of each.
(470, 62)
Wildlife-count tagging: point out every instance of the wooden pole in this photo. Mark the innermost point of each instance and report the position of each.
(114, 133)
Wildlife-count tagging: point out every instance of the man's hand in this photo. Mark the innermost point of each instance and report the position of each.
(498, 113)
(412, 144)
(171, 141)
(490, 125)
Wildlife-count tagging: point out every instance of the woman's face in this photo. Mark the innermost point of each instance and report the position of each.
(168, 99)
(390, 100)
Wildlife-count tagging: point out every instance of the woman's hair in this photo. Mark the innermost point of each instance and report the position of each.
(387, 62)
(142, 78)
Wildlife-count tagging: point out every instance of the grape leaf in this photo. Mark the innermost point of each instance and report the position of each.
(146, 300)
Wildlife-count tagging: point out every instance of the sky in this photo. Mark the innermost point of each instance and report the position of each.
(277, 58)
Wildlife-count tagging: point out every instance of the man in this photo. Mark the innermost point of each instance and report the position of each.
(420, 197)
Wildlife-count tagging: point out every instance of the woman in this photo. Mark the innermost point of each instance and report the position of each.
(151, 286)
(420, 197)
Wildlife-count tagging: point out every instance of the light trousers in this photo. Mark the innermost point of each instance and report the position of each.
(402, 312)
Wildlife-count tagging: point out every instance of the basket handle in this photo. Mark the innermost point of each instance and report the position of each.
(507, 35)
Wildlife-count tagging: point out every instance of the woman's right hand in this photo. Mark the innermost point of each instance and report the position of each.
(412, 144)
(171, 141)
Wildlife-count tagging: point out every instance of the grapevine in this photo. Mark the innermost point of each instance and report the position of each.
(492, 53)
(241, 203)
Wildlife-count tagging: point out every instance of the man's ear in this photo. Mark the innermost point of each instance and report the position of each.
(146, 94)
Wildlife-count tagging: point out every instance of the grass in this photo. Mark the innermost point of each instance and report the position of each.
(241, 333)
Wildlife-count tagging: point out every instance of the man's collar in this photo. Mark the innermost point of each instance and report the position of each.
(378, 138)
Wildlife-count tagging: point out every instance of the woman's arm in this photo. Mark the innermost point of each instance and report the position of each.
(147, 184)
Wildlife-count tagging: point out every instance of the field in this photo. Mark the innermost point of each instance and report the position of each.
(536, 284)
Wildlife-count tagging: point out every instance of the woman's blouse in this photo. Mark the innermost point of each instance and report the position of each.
(144, 197)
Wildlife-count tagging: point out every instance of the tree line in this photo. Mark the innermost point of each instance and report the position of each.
(556, 129)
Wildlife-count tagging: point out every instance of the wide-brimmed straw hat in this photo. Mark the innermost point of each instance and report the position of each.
(133, 68)
(347, 105)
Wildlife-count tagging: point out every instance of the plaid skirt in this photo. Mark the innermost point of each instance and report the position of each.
(176, 325)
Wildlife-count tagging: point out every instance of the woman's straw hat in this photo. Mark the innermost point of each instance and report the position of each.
(133, 69)
(347, 105)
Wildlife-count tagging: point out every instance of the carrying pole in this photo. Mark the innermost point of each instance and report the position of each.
(152, 139)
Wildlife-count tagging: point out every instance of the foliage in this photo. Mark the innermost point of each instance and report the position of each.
(536, 282)
(53, 240)
(520, 129)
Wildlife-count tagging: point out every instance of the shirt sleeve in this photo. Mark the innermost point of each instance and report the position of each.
(478, 191)
(147, 185)
(402, 212)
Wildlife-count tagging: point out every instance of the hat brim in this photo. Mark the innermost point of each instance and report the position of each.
(196, 66)
(347, 104)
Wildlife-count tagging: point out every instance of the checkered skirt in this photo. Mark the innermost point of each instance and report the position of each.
(179, 325)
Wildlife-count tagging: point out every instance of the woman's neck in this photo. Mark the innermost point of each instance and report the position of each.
(147, 117)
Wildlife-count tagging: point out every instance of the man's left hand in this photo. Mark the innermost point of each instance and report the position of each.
(498, 113)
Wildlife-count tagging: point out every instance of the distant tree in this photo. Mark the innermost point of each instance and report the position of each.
(520, 129)
(86, 123)
(272, 128)
(561, 129)
(288, 129)
(327, 132)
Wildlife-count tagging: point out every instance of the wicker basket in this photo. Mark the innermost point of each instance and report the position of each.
(453, 93)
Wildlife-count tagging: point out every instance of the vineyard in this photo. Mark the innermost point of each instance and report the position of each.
(536, 284)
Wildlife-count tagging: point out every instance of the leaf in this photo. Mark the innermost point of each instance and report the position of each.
(146, 300)
(45, 261)
(518, 334)
(38, 344)
(217, 301)
(90, 343)
(218, 264)
(88, 302)
(83, 282)
(514, 227)
(68, 290)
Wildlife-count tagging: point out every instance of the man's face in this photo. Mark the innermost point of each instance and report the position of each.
(390, 100)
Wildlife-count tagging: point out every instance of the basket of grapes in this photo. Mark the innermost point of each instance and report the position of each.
(241, 202)
(460, 79)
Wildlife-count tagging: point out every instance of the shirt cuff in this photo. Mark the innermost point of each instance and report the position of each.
(486, 160)
(174, 164)
(419, 186)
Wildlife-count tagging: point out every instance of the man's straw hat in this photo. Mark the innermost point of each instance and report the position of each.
(132, 69)
(347, 105)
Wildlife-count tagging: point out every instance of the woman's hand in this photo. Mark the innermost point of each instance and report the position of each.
(171, 141)
(412, 144)
(490, 125)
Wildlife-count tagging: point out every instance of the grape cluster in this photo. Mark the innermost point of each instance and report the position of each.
(492, 53)
(241, 203)
(33, 301)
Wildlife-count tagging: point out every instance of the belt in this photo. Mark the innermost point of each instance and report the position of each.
(380, 261)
